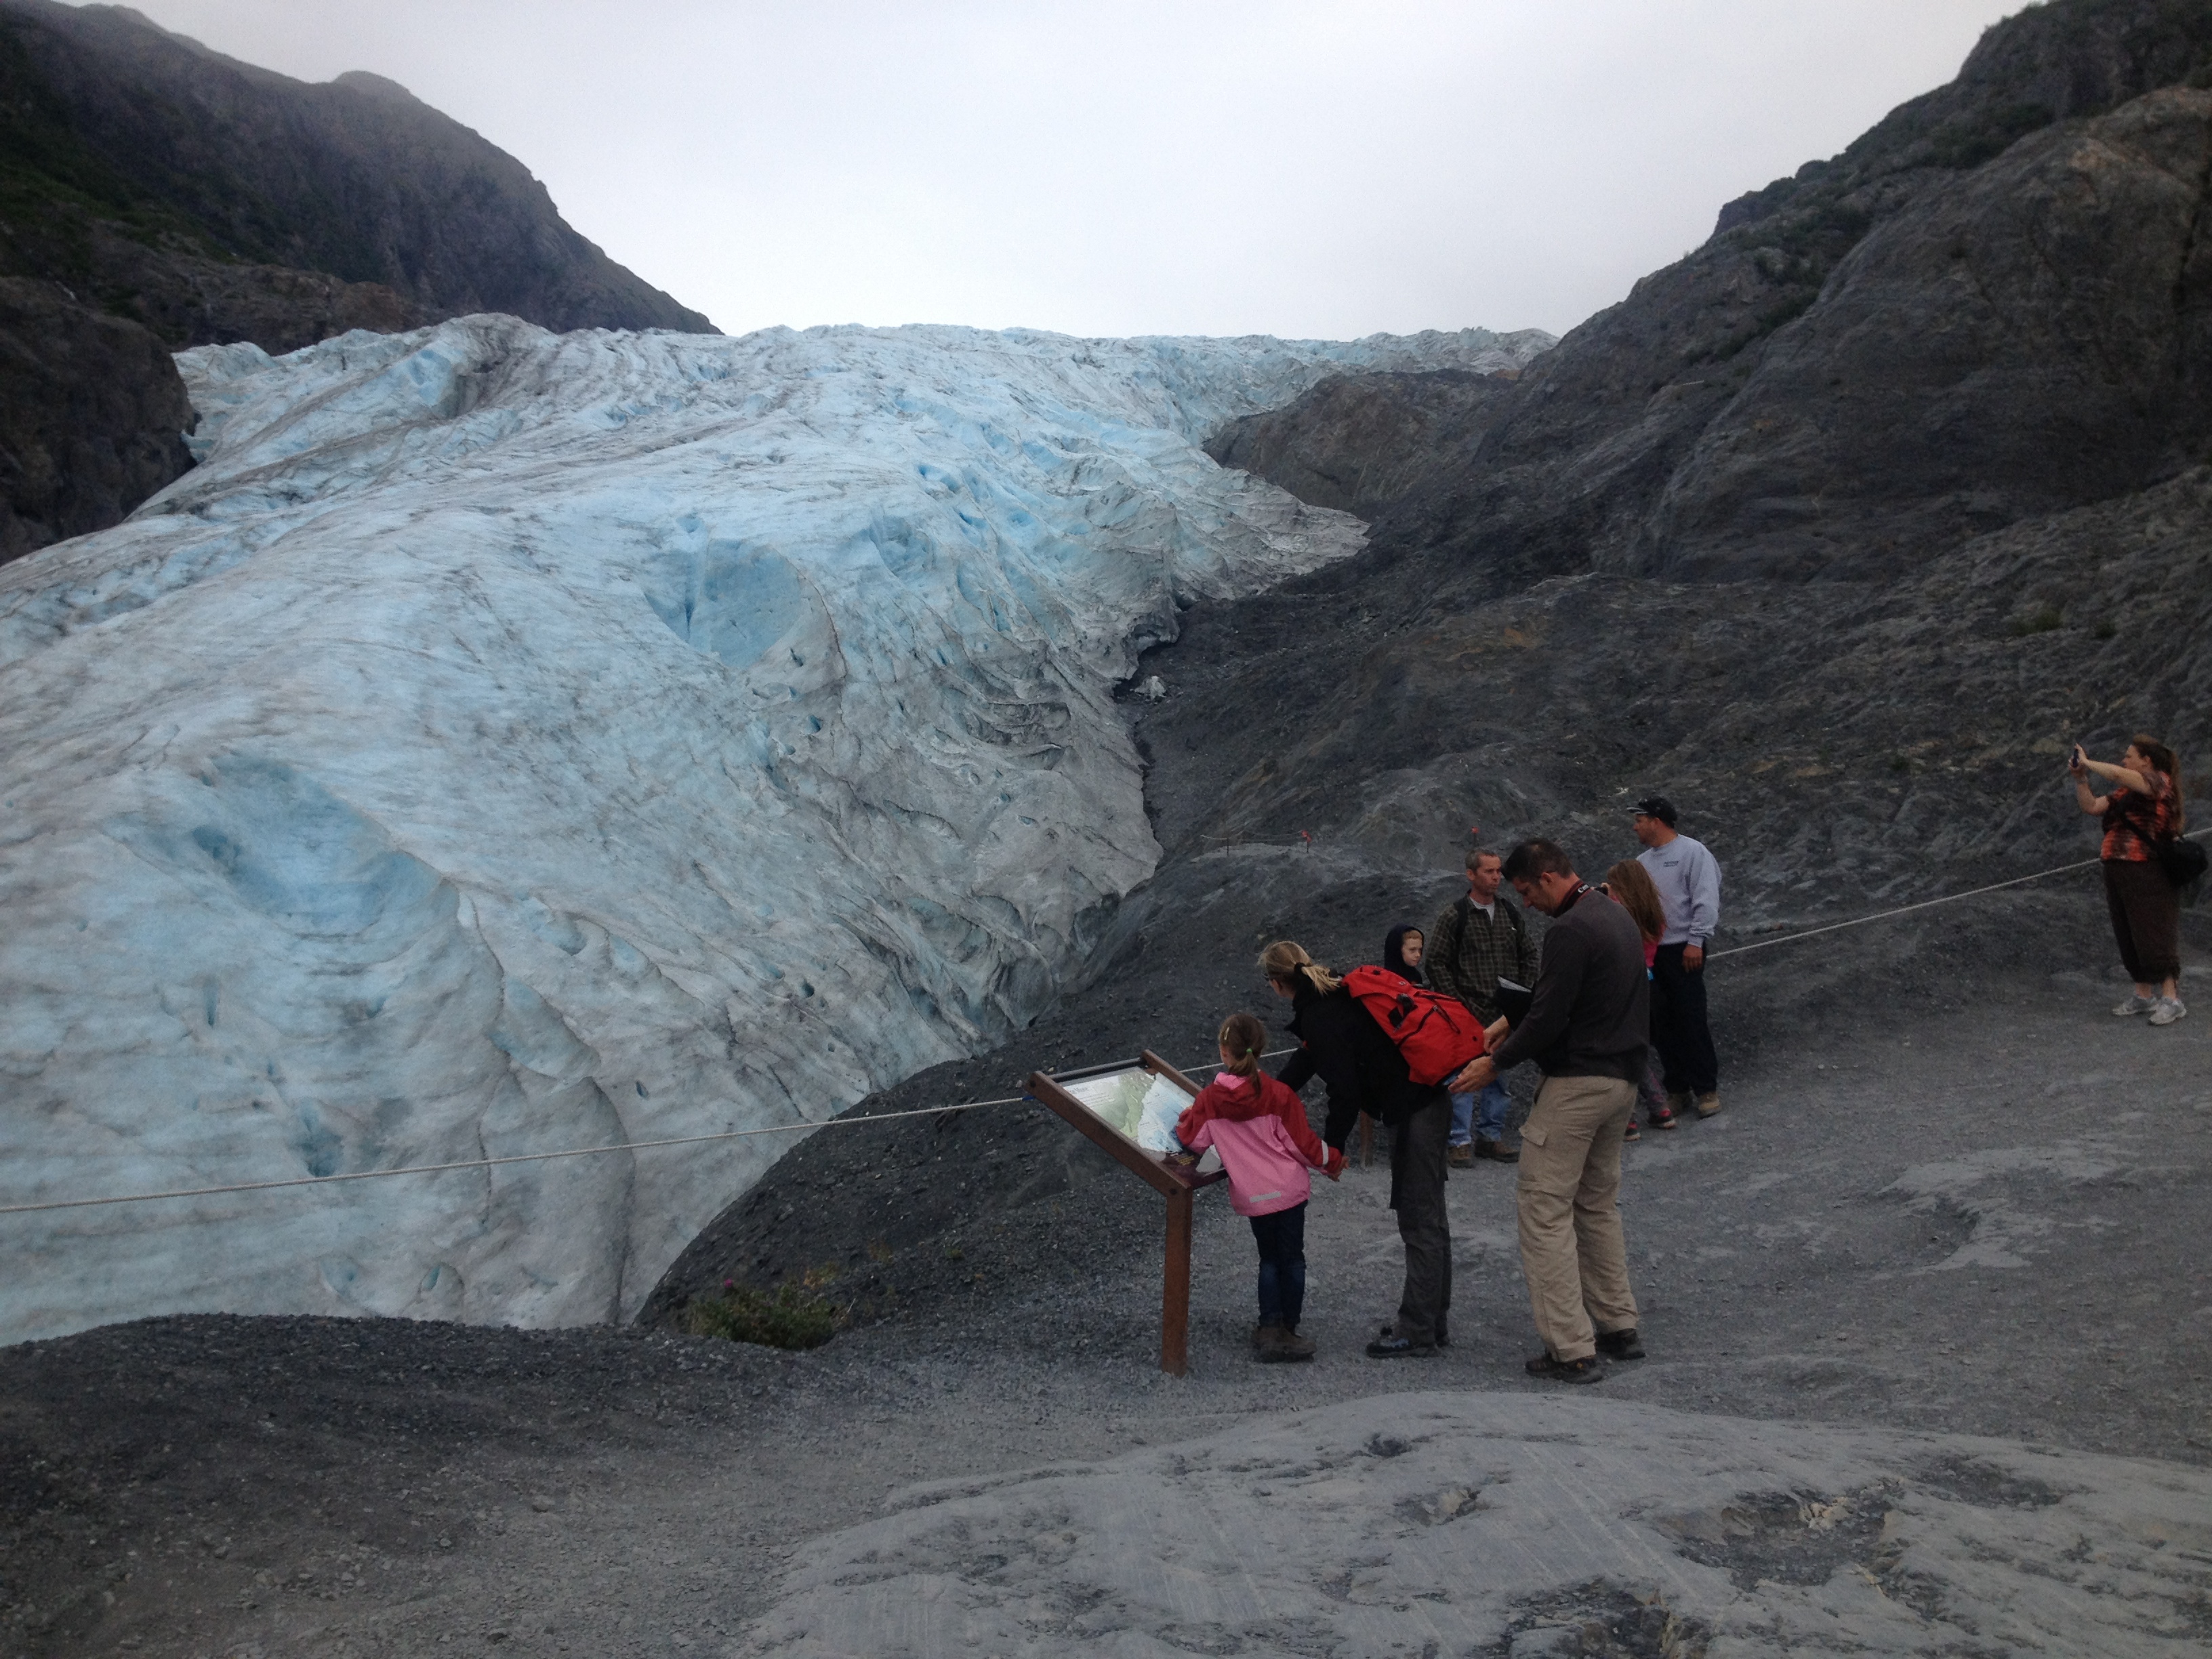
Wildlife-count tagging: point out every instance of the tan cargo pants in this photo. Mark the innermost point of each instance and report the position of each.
(1571, 1247)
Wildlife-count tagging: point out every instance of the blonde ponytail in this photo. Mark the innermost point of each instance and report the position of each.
(1286, 963)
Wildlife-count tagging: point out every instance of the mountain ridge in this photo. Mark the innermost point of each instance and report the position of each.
(1578, 465)
(213, 160)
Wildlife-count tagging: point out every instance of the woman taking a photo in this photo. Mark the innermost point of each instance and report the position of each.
(2142, 809)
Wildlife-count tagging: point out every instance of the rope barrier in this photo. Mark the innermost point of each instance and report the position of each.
(541, 1157)
(923, 1111)
(1924, 904)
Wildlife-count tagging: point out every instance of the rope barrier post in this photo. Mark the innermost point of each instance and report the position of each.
(1174, 1288)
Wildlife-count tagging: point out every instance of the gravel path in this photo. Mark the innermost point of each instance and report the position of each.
(1984, 1225)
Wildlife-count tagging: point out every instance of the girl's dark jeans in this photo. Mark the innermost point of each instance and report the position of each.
(1282, 1241)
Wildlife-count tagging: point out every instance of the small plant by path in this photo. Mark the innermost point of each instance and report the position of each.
(794, 1314)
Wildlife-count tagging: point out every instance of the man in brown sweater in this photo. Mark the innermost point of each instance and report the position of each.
(1585, 1030)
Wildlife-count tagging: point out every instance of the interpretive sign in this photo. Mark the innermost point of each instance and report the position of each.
(1130, 1109)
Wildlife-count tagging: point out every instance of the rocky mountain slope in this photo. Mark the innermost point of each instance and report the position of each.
(1846, 582)
(1990, 306)
(152, 191)
(1581, 586)
(214, 201)
(93, 416)
(507, 741)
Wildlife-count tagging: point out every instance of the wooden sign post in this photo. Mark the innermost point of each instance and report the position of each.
(1105, 1103)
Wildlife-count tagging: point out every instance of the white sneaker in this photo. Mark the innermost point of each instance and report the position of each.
(2169, 1010)
(2135, 1005)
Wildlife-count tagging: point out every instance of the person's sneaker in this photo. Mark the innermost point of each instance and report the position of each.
(1461, 1157)
(1391, 1346)
(1631, 1133)
(1708, 1104)
(2135, 1004)
(1294, 1346)
(1585, 1370)
(1662, 1117)
(1620, 1345)
(2169, 1010)
(1497, 1151)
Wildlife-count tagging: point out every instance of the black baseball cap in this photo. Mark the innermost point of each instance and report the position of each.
(1655, 806)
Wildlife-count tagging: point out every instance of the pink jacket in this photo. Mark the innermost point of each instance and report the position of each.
(1265, 1153)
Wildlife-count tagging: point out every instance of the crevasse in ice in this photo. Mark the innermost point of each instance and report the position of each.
(504, 742)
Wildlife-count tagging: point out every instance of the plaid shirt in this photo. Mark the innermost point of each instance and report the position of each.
(2135, 823)
(1468, 953)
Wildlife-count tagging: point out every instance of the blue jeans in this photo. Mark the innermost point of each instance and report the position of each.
(1282, 1241)
(1492, 1124)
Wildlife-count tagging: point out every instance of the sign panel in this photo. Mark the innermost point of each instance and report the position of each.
(1141, 1106)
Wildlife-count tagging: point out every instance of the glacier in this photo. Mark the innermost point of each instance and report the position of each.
(503, 742)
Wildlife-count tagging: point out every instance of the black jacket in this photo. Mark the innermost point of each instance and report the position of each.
(1394, 953)
(1342, 1045)
(1592, 1012)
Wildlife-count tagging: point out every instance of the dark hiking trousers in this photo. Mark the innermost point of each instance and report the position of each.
(1281, 1237)
(2146, 910)
(1685, 1042)
(1417, 1194)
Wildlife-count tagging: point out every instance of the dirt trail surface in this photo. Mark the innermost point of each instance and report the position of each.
(1974, 1210)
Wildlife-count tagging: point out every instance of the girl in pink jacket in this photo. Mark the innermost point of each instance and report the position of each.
(1259, 1126)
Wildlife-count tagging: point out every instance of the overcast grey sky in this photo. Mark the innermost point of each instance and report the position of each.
(1201, 167)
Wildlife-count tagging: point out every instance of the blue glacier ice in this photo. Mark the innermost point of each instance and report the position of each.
(504, 741)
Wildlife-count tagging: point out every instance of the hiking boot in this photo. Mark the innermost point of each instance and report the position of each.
(1620, 1345)
(1271, 1345)
(1679, 1101)
(1631, 1133)
(1709, 1103)
(1461, 1157)
(1497, 1151)
(2135, 1004)
(1295, 1346)
(1662, 1117)
(1585, 1370)
(2169, 1010)
(1262, 1335)
(1389, 1345)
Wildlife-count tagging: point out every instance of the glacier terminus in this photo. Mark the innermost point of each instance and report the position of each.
(504, 742)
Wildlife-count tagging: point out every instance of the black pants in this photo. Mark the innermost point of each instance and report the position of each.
(2146, 911)
(1417, 1194)
(1281, 1237)
(1677, 1025)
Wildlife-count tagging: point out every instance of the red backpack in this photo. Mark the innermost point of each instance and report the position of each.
(1437, 1033)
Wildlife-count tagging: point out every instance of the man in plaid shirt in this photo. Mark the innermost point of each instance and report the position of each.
(1476, 941)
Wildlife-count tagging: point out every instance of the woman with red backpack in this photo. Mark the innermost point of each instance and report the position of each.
(1344, 1045)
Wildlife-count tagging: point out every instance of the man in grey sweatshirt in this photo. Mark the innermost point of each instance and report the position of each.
(1585, 1029)
(1688, 878)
